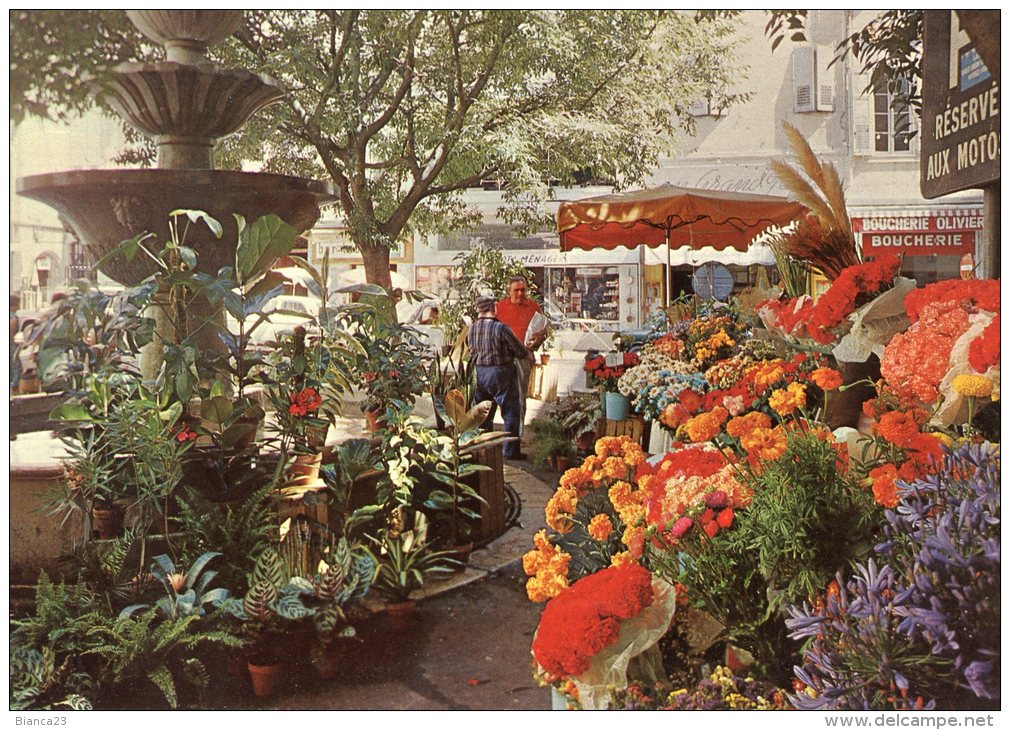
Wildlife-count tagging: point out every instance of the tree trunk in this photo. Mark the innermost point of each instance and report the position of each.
(376, 260)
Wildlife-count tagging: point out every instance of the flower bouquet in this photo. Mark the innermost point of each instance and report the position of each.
(952, 334)
(603, 627)
(605, 370)
(593, 518)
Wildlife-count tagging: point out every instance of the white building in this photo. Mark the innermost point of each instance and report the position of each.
(44, 255)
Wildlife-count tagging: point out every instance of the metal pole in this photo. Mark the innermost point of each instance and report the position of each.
(990, 232)
(669, 268)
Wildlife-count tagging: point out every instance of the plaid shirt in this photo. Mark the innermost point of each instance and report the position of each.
(491, 342)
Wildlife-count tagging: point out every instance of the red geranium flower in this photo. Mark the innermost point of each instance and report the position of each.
(304, 402)
(185, 435)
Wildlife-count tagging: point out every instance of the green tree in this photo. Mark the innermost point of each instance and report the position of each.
(404, 110)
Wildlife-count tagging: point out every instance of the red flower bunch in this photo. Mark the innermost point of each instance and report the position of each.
(855, 286)
(916, 361)
(304, 402)
(609, 375)
(978, 293)
(586, 618)
(185, 435)
(983, 352)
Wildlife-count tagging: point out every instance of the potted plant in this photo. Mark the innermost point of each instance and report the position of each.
(579, 414)
(552, 446)
(404, 559)
(125, 449)
(455, 469)
(604, 371)
(272, 601)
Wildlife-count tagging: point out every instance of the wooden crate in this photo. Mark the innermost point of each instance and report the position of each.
(634, 427)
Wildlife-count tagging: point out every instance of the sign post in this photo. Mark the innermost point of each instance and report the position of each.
(960, 121)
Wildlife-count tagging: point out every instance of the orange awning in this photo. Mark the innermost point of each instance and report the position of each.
(685, 216)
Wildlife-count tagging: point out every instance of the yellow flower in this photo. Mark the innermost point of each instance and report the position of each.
(622, 558)
(943, 438)
(972, 386)
(600, 527)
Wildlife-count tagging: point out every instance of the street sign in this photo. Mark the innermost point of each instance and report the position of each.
(960, 110)
(967, 266)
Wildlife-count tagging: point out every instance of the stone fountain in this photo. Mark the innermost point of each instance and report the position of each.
(185, 103)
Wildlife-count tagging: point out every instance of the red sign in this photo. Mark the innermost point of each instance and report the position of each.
(967, 266)
(924, 234)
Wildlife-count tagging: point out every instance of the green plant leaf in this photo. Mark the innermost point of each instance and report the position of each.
(217, 409)
(260, 245)
(70, 412)
(195, 216)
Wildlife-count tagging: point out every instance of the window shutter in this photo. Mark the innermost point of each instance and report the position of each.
(803, 79)
(825, 80)
(862, 115)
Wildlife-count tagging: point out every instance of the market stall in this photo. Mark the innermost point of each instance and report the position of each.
(672, 217)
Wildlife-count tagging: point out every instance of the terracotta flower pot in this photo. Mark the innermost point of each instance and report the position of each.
(586, 441)
(374, 420)
(544, 358)
(264, 678)
(562, 463)
(107, 521)
(305, 465)
(401, 616)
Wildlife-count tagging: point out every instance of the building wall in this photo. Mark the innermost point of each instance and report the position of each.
(37, 147)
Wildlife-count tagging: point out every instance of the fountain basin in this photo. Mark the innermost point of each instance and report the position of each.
(187, 106)
(106, 207)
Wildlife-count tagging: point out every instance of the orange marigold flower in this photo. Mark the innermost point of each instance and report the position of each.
(883, 479)
(611, 446)
(826, 378)
(786, 400)
(622, 558)
(600, 527)
(746, 423)
(615, 468)
(767, 373)
(765, 444)
(897, 427)
(706, 426)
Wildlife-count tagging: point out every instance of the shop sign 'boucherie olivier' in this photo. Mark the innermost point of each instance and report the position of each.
(960, 111)
(919, 234)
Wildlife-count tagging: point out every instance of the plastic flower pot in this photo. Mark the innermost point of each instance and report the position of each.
(617, 406)
(264, 678)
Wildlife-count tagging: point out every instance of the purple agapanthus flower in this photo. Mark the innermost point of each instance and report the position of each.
(922, 625)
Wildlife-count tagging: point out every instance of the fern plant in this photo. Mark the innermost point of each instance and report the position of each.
(238, 534)
(145, 649)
